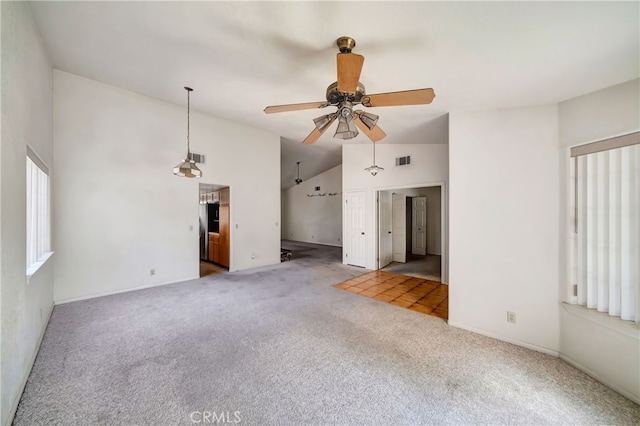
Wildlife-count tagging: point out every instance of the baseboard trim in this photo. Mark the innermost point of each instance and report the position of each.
(315, 242)
(126, 290)
(607, 383)
(32, 360)
(507, 339)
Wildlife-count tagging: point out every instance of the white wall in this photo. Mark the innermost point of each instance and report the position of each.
(314, 219)
(119, 210)
(429, 165)
(504, 230)
(607, 353)
(26, 120)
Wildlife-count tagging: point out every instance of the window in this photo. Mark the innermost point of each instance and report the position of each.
(606, 238)
(38, 217)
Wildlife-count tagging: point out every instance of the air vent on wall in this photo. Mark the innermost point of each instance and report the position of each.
(198, 158)
(403, 161)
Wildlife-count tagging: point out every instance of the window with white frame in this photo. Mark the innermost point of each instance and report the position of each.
(38, 217)
(606, 235)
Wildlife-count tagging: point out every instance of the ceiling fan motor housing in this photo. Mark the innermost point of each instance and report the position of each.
(335, 97)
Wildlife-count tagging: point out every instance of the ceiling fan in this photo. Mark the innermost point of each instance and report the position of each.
(348, 92)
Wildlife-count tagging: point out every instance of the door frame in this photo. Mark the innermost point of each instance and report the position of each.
(444, 221)
(217, 187)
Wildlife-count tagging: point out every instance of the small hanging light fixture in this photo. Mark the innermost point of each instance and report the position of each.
(374, 169)
(188, 167)
(298, 180)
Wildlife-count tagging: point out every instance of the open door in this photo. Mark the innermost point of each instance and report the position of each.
(419, 225)
(399, 231)
(385, 246)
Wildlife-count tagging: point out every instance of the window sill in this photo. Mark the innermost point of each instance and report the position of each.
(628, 328)
(31, 270)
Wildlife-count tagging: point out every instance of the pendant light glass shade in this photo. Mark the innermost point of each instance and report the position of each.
(374, 170)
(369, 120)
(346, 126)
(324, 121)
(187, 168)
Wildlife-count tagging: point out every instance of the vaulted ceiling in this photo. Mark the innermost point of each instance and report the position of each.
(243, 56)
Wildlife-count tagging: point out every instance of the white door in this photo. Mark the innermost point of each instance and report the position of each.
(399, 231)
(385, 246)
(419, 225)
(355, 228)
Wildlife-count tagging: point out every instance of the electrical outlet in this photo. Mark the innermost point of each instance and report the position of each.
(511, 317)
(152, 272)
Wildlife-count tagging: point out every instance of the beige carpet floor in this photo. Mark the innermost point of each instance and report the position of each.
(279, 345)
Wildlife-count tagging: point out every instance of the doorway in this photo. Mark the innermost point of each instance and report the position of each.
(411, 231)
(215, 232)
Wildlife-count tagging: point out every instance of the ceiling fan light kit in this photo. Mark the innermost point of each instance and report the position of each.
(346, 92)
(346, 127)
(187, 168)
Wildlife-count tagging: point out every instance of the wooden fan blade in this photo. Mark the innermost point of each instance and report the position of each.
(349, 69)
(295, 107)
(315, 134)
(374, 134)
(313, 137)
(408, 97)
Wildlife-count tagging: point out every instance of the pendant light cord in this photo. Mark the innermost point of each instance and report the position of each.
(374, 153)
(188, 121)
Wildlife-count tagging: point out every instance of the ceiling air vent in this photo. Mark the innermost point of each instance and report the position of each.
(198, 158)
(403, 161)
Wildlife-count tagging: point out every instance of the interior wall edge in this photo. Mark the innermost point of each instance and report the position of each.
(27, 373)
(601, 379)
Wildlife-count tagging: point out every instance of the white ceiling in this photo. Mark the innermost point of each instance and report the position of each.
(242, 56)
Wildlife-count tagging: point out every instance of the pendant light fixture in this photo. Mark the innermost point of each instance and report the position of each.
(374, 169)
(298, 180)
(188, 167)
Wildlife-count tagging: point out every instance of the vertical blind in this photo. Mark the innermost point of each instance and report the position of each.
(607, 233)
(38, 233)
